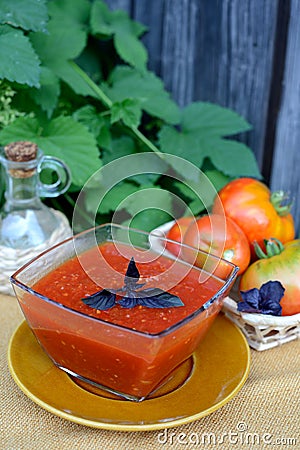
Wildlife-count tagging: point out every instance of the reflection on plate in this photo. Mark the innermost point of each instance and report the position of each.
(215, 373)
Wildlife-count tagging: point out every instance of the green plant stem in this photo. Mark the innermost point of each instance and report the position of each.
(146, 141)
(101, 95)
(108, 104)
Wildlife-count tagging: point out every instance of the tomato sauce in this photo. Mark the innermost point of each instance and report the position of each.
(69, 283)
(131, 358)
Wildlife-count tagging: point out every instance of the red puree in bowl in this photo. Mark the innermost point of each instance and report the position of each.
(69, 283)
(123, 360)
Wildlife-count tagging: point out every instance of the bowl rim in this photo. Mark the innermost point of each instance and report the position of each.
(15, 282)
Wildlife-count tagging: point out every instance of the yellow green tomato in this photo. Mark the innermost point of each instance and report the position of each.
(279, 263)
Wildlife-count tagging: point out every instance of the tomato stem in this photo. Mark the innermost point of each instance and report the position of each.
(273, 248)
(259, 252)
(279, 201)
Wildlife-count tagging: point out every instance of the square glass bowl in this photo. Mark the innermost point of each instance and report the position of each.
(126, 348)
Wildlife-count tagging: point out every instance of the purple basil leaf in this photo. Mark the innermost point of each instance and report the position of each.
(149, 297)
(132, 271)
(101, 300)
(128, 302)
(149, 292)
(271, 294)
(161, 299)
(265, 300)
(250, 303)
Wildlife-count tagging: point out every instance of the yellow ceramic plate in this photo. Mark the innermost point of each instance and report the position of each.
(213, 375)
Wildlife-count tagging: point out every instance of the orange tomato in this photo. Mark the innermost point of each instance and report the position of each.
(220, 236)
(258, 212)
(176, 233)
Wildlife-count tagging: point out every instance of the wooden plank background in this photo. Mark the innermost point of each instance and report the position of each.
(242, 54)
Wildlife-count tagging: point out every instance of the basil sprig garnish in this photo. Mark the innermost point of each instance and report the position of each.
(131, 294)
(265, 300)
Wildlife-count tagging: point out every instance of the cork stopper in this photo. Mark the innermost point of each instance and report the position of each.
(21, 152)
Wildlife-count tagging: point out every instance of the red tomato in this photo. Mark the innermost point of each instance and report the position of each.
(220, 236)
(256, 210)
(176, 233)
(280, 263)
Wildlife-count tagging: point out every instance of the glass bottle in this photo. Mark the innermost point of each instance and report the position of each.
(25, 221)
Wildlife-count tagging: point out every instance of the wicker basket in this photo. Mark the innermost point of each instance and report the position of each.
(263, 331)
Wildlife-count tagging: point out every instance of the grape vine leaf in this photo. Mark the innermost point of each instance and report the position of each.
(217, 178)
(149, 197)
(125, 33)
(28, 15)
(119, 147)
(61, 137)
(212, 119)
(191, 194)
(148, 220)
(233, 158)
(131, 50)
(66, 37)
(104, 202)
(48, 93)
(129, 111)
(71, 12)
(96, 123)
(67, 72)
(18, 60)
(203, 134)
(146, 87)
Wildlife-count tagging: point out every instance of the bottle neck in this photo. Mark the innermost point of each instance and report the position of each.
(21, 192)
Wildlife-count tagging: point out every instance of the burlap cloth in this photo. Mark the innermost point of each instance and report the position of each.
(267, 407)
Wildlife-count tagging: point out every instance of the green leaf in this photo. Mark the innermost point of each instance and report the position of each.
(114, 198)
(48, 93)
(124, 31)
(202, 129)
(18, 60)
(63, 138)
(101, 19)
(106, 22)
(218, 179)
(145, 87)
(68, 73)
(233, 158)
(29, 15)
(71, 12)
(210, 119)
(98, 200)
(195, 203)
(148, 220)
(149, 197)
(22, 129)
(129, 111)
(95, 123)
(119, 147)
(66, 38)
(131, 50)
(71, 141)
(189, 194)
(145, 179)
(184, 145)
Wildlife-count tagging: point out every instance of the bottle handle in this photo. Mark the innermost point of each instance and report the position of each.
(62, 172)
